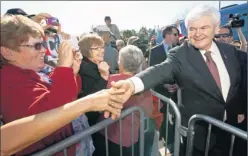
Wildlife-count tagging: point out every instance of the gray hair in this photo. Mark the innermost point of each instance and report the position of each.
(120, 43)
(203, 10)
(132, 58)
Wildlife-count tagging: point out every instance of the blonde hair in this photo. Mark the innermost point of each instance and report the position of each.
(87, 41)
(16, 29)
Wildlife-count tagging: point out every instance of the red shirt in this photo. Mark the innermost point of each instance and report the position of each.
(24, 93)
(143, 100)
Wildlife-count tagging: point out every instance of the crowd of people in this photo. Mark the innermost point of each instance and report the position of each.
(52, 87)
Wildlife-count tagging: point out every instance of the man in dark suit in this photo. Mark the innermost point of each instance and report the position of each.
(208, 73)
(158, 55)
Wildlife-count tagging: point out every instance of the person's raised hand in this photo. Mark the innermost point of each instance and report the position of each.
(65, 54)
(41, 16)
(103, 69)
(77, 62)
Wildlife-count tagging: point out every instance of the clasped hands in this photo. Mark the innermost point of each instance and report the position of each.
(117, 95)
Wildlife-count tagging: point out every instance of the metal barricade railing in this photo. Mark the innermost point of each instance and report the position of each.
(177, 124)
(62, 145)
(212, 121)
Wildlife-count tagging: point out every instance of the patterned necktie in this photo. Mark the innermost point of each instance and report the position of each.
(213, 68)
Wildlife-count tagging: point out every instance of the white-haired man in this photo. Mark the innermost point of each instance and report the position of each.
(209, 74)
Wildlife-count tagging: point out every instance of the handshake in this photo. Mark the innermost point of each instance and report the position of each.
(111, 100)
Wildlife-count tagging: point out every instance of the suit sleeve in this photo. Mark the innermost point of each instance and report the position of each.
(161, 73)
(242, 58)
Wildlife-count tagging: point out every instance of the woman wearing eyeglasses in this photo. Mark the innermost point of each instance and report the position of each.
(24, 90)
(93, 70)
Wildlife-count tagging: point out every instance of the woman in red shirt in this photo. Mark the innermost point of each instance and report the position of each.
(130, 63)
(25, 91)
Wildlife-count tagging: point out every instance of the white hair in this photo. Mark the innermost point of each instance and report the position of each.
(132, 58)
(203, 10)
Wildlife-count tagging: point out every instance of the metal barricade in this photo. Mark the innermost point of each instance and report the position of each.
(62, 145)
(177, 124)
(212, 121)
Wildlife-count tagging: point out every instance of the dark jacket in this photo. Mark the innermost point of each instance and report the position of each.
(91, 83)
(157, 56)
(200, 94)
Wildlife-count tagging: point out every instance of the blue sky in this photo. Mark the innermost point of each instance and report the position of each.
(78, 16)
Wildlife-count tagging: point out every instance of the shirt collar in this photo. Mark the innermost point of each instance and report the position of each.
(166, 46)
(213, 49)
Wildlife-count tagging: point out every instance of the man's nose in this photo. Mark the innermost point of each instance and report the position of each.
(198, 32)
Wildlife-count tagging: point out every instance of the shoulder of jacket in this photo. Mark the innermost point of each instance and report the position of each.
(157, 46)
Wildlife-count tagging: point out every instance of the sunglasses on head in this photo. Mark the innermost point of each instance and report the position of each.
(36, 46)
(222, 35)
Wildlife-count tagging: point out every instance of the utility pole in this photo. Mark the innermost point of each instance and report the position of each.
(219, 5)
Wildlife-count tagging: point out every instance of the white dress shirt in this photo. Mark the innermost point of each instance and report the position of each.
(224, 76)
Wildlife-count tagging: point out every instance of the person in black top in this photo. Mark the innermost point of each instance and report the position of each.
(93, 70)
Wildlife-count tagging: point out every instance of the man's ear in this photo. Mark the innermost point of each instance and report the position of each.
(7, 53)
(217, 27)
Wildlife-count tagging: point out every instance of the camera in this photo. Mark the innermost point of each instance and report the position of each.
(235, 21)
(52, 21)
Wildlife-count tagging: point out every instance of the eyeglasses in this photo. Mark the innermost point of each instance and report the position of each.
(97, 48)
(222, 35)
(36, 46)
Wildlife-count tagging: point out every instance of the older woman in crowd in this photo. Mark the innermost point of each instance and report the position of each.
(24, 90)
(94, 73)
(93, 70)
(130, 63)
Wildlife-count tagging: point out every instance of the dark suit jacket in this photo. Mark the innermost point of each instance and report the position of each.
(200, 94)
(157, 56)
(91, 83)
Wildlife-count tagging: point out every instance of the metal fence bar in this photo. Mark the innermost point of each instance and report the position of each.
(106, 141)
(132, 130)
(177, 121)
(120, 121)
(142, 132)
(77, 137)
(208, 139)
(232, 144)
(166, 128)
(191, 126)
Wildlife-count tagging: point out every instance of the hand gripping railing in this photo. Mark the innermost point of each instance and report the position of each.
(212, 121)
(177, 121)
(103, 124)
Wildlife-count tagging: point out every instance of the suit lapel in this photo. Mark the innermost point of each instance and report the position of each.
(163, 53)
(228, 62)
(208, 82)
